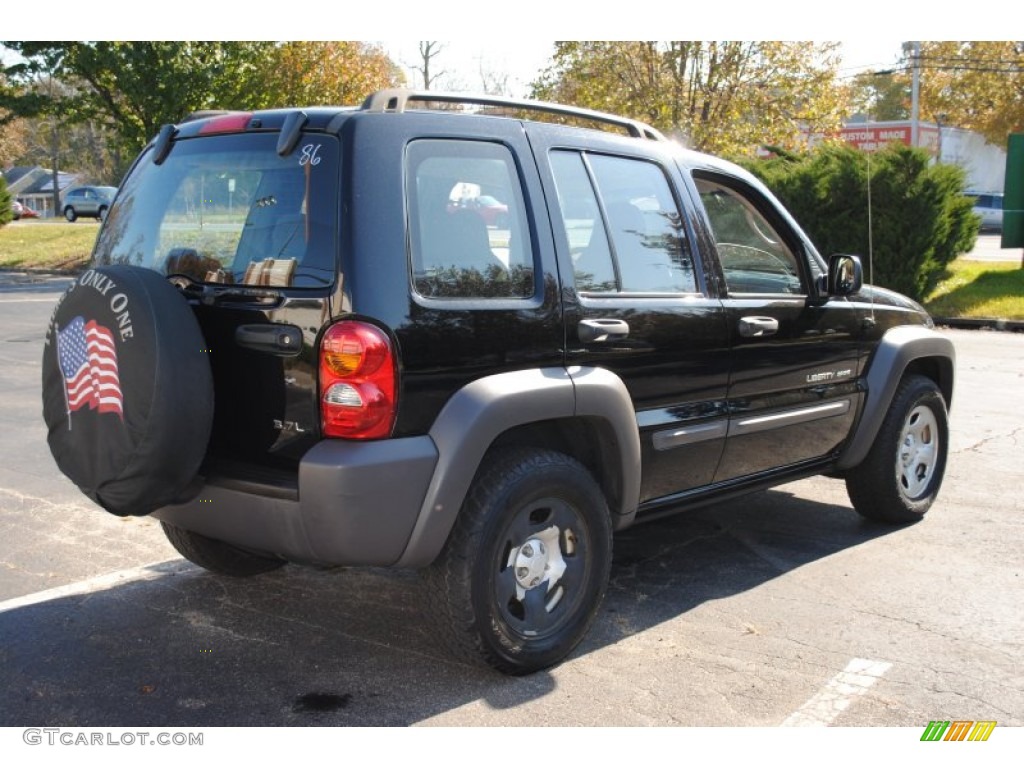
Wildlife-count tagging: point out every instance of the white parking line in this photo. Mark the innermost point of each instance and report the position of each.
(825, 706)
(149, 572)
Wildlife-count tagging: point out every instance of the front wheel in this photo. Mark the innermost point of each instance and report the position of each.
(900, 477)
(524, 570)
(69, 214)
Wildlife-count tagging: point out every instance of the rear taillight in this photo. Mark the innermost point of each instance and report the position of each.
(358, 396)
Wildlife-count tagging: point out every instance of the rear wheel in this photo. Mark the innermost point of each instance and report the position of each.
(218, 556)
(900, 477)
(525, 568)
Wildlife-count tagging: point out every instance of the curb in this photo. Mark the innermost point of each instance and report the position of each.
(30, 272)
(981, 323)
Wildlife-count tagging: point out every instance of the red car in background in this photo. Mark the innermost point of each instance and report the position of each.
(23, 211)
(490, 209)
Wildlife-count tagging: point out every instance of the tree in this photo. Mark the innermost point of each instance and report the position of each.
(31, 89)
(89, 146)
(429, 50)
(5, 203)
(493, 82)
(977, 85)
(719, 96)
(329, 73)
(13, 129)
(13, 140)
(134, 87)
(882, 95)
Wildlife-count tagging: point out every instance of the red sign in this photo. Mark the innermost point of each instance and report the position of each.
(868, 137)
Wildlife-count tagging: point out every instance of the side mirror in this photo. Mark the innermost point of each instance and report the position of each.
(845, 275)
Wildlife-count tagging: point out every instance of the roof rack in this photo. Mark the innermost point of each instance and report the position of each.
(397, 100)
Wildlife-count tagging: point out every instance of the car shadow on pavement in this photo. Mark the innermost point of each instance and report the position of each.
(349, 646)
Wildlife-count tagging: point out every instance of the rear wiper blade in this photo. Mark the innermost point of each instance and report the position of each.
(210, 294)
(186, 284)
(214, 293)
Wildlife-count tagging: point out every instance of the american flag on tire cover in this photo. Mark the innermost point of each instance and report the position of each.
(88, 361)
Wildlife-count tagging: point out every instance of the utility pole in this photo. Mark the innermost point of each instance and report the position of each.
(914, 49)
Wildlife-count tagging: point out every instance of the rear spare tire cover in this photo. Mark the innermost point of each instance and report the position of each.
(127, 389)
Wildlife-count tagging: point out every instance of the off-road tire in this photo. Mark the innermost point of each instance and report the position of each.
(217, 556)
(523, 504)
(900, 477)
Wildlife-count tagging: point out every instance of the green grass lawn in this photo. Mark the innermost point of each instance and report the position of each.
(47, 244)
(980, 289)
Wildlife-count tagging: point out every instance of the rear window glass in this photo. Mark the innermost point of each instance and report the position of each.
(469, 237)
(229, 210)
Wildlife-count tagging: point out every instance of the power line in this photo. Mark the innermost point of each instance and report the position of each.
(969, 59)
(1000, 70)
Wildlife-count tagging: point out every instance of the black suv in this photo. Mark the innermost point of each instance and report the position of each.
(455, 339)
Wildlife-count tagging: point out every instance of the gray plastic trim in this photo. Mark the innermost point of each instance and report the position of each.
(898, 348)
(600, 394)
(481, 411)
(357, 505)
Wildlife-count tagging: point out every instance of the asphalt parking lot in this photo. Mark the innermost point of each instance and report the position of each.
(780, 608)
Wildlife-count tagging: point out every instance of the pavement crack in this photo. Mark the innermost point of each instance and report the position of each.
(976, 447)
(988, 704)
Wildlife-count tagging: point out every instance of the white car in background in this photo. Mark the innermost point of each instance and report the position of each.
(88, 201)
(989, 206)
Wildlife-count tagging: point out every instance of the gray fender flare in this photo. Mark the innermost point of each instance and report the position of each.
(481, 411)
(898, 348)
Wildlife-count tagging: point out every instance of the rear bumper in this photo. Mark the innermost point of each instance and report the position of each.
(357, 504)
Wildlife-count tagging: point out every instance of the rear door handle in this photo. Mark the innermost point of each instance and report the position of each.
(601, 329)
(753, 327)
(274, 338)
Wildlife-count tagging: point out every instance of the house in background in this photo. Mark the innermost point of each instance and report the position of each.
(33, 186)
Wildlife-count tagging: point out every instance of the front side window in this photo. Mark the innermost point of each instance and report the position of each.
(230, 210)
(623, 226)
(468, 232)
(754, 256)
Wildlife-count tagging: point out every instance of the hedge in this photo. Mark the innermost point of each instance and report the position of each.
(921, 219)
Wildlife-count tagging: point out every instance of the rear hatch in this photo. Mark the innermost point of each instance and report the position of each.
(250, 236)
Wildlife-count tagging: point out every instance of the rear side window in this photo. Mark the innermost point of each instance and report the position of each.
(623, 226)
(468, 232)
(230, 210)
